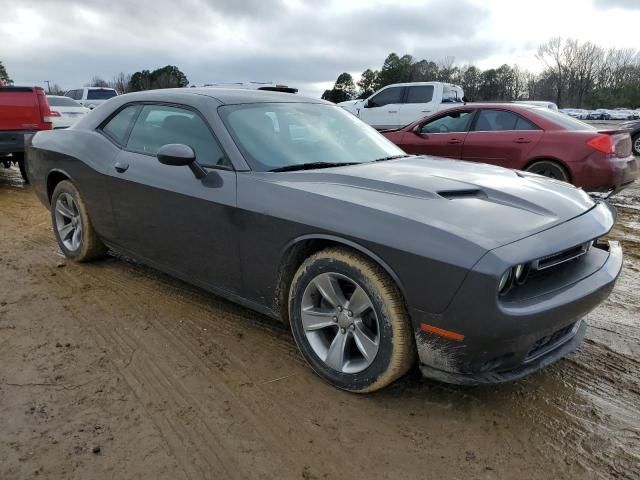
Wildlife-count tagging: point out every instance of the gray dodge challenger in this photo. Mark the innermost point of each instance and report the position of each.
(293, 207)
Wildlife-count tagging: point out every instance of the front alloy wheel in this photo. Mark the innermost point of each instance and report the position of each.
(349, 320)
(340, 323)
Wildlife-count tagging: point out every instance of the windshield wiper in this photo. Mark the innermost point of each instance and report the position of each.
(392, 157)
(312, 166)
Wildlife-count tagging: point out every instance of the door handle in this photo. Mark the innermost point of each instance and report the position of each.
(454, 141)
(121, 167)
(425, 111)
(522, 140)
(392, 111)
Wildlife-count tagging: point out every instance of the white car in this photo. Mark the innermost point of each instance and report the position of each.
(400, 104)
(576, 113)
(69, 111)
(540, 103)
(620, 114)
(91, 97)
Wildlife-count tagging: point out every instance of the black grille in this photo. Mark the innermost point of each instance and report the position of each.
(561, 257)
(548, 342)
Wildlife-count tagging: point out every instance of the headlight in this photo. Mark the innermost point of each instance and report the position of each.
(520, 273)
(505, 282)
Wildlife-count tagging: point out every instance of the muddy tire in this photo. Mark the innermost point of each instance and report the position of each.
(549, 168)
(636, 144)
(22, 166)
(350, 322)
(71, 225)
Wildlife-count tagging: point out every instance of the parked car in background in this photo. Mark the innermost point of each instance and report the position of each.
(70, 111)
(23, 111)
(293, 207)
(540, 103)
(634, 129)
(600, 114)
(523, 137)
(91, 97)
(265, 86)
(578, 113)
(399, 104)
(627, 113)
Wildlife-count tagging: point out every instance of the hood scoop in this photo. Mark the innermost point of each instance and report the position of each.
(470, 193)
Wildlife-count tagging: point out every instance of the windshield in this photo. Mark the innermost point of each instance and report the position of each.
(276, 135)
(564, 121)
(62, 102)
(101, 94)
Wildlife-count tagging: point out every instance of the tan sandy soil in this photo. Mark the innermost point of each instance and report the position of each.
(112, 370)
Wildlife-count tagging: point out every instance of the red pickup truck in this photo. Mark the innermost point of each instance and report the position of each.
(23, 111)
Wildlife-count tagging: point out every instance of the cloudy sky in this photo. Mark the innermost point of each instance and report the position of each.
(302, 43)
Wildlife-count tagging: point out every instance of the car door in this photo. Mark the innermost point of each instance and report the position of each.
(441, 136)
(500, 137)
(382, 109)
(164, 214)
(418, 104)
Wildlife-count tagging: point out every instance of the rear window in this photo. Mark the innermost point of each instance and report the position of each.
(564, 121)
(118, 127)
(101, 94)
(421, 94)
(62, 102)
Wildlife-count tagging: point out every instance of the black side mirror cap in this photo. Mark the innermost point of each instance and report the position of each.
(176, 154)
(179, 155)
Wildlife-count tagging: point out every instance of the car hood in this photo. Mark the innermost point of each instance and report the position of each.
(487, 205)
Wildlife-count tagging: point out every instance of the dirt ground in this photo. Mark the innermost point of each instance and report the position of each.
(112, 370)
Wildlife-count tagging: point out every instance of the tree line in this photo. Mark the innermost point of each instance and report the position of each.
(575, 74)
(169, 76)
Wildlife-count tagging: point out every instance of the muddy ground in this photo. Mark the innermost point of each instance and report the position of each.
(112, 370)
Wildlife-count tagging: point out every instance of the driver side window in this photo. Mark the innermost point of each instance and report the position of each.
(386, 97)
(158, 125)
(453, 122)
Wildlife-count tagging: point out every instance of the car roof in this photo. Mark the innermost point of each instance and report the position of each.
(226, 96)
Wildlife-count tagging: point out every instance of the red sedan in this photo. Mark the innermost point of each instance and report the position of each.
(526, 137)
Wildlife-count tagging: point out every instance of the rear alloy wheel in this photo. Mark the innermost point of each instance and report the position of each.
(636, 144)
(71, 225)
(349, 321)
(549, 168)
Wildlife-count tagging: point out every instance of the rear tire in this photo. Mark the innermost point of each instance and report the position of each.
(549, 168)
(636, 144)
(371, 334)
(20, 160)
(71, 225)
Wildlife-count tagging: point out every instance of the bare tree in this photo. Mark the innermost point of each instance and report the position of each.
(120, 82)
(97, 81)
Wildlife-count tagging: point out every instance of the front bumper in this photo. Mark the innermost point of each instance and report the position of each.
(505, 339)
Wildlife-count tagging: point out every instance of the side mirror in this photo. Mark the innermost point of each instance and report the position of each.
(176, 154)
(179, 155)
(367, 104)
(418, 130)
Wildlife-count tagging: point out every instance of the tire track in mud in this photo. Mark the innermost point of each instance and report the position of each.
(181, 343)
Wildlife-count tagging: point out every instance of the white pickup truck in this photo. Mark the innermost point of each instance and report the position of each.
(399, 104)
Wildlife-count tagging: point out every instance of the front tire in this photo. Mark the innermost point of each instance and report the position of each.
(71, 225)
(22, 166)
(349, 320)
(549, 168)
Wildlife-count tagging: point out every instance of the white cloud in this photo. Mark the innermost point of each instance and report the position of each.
(299, 42)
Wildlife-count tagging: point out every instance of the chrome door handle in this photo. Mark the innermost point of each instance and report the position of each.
(121, 167)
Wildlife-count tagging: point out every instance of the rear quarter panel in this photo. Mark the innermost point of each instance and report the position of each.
(86, 158)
